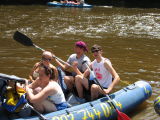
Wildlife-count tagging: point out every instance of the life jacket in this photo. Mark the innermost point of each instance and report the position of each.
(3, 84)
(14, 99)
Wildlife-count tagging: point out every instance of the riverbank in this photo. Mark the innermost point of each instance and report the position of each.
(117, 3)
(127, 3)
(23, 2)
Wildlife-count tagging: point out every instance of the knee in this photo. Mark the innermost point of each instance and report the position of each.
(78, 79)
(69, 81)
(65, 78)
(94, 88)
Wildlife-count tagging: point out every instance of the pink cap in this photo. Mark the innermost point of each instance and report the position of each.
(81, 44)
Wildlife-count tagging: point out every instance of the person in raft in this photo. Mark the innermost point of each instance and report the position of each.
(44, 93)
(63, 1)
(104, 72)
(75, 59)
(45, 61)
(78, 2)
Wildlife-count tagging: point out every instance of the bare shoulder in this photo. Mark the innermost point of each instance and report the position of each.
(37, 64)
(49, 88)
(107, 64)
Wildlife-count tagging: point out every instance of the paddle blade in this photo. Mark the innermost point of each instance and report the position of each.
(23, 39)
(122, 116)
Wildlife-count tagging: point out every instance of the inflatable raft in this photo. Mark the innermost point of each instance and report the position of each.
(125, 99)
(57, 4)
(157, 105)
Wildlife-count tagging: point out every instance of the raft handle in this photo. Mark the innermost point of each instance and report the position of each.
(91, 104)
(130, 87)
(67, 111)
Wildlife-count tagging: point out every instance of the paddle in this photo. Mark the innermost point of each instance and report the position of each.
(121, 115)
(26, 41)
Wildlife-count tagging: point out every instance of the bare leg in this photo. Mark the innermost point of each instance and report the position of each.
(49, 106)
(95, 91)
(80, 82)
(69, 81)
(45, 106)
(38, 107)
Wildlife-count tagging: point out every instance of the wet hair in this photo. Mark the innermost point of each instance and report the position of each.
(48, 71)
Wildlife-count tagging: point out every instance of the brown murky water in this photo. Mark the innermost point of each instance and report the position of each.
(130, 39)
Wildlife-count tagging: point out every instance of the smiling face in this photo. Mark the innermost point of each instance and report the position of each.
(97, 53)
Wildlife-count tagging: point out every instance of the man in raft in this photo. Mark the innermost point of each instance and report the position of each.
(76, 61)
(45, 61)
(104, 72)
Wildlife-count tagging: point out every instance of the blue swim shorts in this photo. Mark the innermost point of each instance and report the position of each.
(61, 106)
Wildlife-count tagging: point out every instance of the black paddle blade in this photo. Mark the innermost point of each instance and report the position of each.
(23, 39)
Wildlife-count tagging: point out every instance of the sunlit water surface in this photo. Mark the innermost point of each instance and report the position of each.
(129, 37)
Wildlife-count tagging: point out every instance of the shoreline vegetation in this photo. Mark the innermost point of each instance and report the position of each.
(116, 3)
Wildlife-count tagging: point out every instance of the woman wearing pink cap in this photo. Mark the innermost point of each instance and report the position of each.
(76, 61)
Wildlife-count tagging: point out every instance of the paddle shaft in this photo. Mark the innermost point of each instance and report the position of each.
(99, 84)
(38, 47)
(53, 55)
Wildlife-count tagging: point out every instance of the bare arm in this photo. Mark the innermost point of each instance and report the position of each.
(86, 73)
(114, 74)
(63, 66)
(55, 73)
(33, 69)
(42, 95)
(75, 68)
(34, 84)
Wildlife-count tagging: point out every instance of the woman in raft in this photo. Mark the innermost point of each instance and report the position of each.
(44, 93)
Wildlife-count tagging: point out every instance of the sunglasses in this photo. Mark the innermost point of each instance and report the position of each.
(46, 59)
(95, 51)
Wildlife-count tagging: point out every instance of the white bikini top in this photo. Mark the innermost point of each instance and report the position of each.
(58, 97)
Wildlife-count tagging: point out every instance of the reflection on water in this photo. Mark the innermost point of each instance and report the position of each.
(129, 37)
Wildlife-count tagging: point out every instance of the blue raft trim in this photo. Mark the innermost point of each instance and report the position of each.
(125, 100)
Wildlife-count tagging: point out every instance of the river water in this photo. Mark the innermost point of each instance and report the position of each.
(130, 38)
